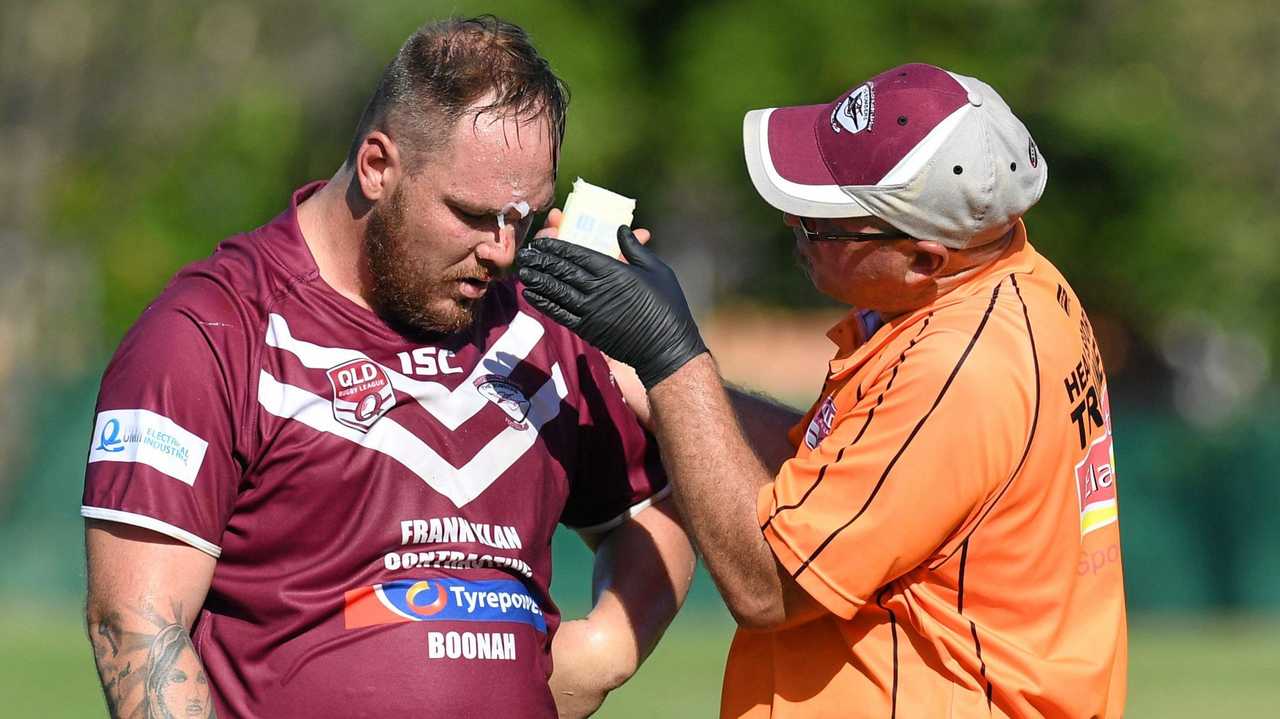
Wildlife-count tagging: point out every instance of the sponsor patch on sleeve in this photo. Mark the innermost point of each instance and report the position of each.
(145, 437)
(1096, 486)
(820, 426)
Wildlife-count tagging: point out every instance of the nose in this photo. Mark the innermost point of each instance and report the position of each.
(499, 248)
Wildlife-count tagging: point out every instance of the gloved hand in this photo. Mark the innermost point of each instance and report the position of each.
(635, 313)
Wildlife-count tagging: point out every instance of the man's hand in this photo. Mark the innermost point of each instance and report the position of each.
(586, 669)
(633, 392)
(643, 569)
(634, 311)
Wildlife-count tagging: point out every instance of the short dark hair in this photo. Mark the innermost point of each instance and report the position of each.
(445, 68)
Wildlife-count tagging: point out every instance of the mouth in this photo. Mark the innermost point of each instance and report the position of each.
(195, 709)
(472, 287)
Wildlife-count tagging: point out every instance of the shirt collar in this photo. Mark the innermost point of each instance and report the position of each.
(852, 334)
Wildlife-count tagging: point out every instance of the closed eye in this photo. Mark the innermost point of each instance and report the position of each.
(471, 218)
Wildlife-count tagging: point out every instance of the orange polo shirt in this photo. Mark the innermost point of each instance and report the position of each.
(952, 503)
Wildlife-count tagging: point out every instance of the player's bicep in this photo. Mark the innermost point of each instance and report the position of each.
(129, 566)
(618, 471)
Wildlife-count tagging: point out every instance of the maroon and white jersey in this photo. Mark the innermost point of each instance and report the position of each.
(381, 510)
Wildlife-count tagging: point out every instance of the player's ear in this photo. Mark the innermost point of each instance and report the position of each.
(378, 167)
(927, 259)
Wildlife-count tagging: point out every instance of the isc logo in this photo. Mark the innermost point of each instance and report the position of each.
(427, 362)
(361, 393)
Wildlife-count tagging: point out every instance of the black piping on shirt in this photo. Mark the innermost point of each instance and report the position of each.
(995, 294)
(1035, 421)
(870, 414)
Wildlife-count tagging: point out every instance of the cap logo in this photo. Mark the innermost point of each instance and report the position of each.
(1032, 153)
(855, 113)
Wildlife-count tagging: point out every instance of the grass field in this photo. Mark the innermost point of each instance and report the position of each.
(1178, 668)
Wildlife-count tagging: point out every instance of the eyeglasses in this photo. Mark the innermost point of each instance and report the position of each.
(804, 229)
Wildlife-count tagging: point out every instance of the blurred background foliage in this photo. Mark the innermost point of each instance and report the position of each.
(138, 133)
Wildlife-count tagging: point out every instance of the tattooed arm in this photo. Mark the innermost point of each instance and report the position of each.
(144, 592)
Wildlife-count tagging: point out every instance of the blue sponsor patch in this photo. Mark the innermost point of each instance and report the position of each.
(454, 600)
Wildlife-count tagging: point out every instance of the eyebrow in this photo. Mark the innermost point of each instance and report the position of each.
(480, 208)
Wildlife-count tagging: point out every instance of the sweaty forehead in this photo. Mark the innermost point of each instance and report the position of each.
(491, 161)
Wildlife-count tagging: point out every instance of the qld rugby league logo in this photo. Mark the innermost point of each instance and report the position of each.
(361, 393)
(509, 398)
(855, 113)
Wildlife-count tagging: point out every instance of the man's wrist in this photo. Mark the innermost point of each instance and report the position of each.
(653, 375)
(701, 368)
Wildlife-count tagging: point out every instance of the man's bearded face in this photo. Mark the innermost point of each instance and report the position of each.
(415, 287)
(435, 244)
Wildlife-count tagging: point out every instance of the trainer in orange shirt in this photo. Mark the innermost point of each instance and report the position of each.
(944, 541)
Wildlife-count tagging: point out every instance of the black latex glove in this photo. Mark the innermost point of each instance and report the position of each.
(635, 313)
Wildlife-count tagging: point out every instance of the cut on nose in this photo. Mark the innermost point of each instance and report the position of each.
(500, 250)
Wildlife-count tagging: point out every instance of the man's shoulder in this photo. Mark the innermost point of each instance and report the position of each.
(238, 282)
(986, 331)
(220, 301)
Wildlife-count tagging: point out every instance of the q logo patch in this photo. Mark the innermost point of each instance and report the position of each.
(110, 440)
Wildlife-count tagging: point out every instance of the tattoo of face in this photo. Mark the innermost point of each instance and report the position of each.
(169, 683)
(105, 631)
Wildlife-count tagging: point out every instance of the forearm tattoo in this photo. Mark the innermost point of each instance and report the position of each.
(149, 668)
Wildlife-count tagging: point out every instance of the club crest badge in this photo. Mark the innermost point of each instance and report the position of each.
(361, 393)
(509, 398)
(820, 426)
(855, 113)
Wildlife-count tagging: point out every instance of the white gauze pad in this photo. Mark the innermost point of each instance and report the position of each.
(592, 215)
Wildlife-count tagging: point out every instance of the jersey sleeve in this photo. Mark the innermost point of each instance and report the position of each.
(163, 451)
(619, 471)
(907, 463)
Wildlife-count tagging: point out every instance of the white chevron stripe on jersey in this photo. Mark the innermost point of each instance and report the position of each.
(459, 484)
(450, 408)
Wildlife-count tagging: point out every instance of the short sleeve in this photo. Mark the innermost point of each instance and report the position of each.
(619, 470)
(908, 461)
(163, 450)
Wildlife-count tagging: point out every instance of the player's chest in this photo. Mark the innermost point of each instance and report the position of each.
(444, 421)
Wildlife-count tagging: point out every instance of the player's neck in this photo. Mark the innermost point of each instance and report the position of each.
(332, 232)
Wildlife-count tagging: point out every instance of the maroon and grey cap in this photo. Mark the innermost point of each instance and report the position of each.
(939, 156)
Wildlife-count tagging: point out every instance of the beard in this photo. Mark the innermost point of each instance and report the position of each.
(408, 291)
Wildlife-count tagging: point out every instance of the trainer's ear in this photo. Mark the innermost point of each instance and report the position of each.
(927, 259)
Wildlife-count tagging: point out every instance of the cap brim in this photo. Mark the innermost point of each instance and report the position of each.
(786, 166)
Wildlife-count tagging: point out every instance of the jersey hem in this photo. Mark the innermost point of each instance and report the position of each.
(631, 511)
(155, 525)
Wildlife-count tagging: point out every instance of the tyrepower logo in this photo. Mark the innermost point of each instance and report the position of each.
(451, 600)
(361, 393)
(1096, 486)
